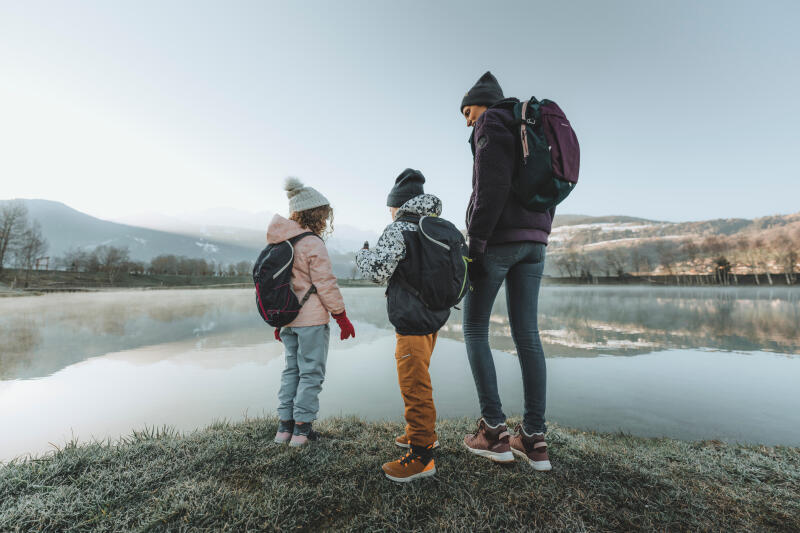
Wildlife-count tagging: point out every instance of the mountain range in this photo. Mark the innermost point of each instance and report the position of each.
(238, 235)
(235, 236)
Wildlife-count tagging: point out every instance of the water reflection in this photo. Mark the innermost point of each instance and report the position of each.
(106, 363)
(587, 321)
(40, 335)
(67, 328)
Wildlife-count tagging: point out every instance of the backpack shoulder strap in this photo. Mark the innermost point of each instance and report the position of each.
(409, 217)
(297, 238)
(294, 240)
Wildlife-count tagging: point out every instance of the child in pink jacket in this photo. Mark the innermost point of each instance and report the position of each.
(306, 338)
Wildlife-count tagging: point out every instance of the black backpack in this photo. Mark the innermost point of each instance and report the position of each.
(272, 275)
(550, 155)
(443, 254)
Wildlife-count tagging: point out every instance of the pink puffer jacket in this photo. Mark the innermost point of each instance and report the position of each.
(311, 265)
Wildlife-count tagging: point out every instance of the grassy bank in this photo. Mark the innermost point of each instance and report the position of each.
(231, 477)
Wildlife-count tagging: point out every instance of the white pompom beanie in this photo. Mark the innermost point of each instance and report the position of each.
(302, 198)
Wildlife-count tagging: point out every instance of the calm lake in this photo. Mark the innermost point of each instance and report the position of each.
(689, 363)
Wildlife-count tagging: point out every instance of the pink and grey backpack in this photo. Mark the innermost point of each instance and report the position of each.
(550, 155)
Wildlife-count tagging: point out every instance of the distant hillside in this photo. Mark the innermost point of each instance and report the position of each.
(66, 228)
(613, 245)
(241, 228)
(579, 244)
(572, 220)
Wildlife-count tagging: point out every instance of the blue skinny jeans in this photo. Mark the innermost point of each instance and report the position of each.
(520, 265)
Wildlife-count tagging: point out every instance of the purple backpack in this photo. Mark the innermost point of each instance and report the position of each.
(549, 156)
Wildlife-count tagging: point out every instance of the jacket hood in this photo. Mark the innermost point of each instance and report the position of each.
(424, 205)
(282, 229)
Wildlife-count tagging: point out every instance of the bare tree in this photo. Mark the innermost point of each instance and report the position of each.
(75, 260)
(689, 248)
(666, 255)
(586, 266)
(244, 268)
(638, 261)
(136, 268)
(615, 262)
(567, 262)
(723, 270)
(13, 224)
(749, 253)
(762, 256)
(32, 245)
(111, 260)
(785, 254)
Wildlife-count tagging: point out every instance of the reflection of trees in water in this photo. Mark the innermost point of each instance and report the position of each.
(723, 319)
(630, 321)
(41, 335)
(19, 338)
(71, 328)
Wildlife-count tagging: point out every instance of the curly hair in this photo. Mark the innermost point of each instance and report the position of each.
(318, 219)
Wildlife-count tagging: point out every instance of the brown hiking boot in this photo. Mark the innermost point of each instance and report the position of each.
(491, 442)
(416, 463)
(403, 442)
(533, 448)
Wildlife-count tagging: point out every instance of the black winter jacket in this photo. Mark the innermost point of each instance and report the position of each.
(396, 259)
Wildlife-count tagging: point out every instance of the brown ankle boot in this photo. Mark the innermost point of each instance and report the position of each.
(490, 442)
(416, 463)
(532, 448)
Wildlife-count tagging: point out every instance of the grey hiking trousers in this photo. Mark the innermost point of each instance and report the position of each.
(306, 350)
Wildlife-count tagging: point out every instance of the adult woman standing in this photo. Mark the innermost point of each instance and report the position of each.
(506, 244)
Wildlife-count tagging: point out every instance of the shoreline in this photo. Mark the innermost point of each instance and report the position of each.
(46, 282)
(232, 476)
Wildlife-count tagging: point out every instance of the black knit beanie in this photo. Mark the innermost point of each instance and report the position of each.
(407, 185)
(485, 92)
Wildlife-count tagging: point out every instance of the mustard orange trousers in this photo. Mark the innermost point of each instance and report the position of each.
(413, 355)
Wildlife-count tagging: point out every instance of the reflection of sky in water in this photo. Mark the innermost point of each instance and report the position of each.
(185, 358)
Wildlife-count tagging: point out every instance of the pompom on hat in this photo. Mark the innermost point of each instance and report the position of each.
(302, 198)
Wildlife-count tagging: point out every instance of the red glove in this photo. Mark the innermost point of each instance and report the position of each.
(278, 334)
(344, 325)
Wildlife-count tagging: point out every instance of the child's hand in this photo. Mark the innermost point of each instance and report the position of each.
(278, 334)
(344, 325)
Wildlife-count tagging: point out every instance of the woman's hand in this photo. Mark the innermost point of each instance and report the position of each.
(345, 326)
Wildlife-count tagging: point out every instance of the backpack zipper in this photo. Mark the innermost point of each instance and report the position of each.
(287, 264)
(466, 269)
(443, 245)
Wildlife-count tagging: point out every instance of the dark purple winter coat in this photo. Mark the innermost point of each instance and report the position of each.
(494, 216)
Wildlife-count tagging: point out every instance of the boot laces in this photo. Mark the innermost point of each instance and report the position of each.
(408, 458)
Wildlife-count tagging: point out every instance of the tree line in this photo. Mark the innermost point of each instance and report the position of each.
(719, 256)
(116, 260)
(22, 244)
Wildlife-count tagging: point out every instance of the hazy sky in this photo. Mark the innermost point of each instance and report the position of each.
(684, 110)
